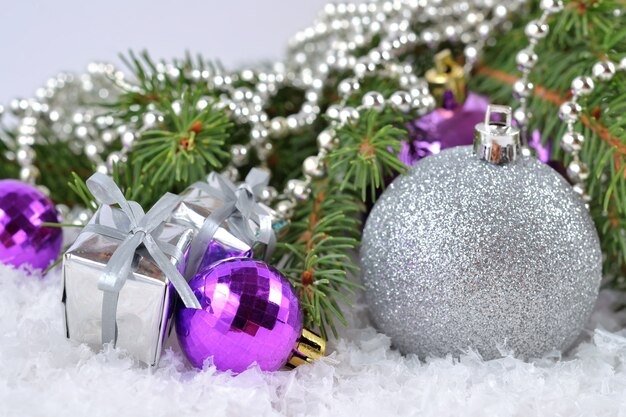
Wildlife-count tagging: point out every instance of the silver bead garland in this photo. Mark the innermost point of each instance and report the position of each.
(334, 42)
(571, 110)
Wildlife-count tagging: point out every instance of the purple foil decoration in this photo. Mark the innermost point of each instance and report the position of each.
(445, 127)
(22, 238)
(215, 252)
(250, 313)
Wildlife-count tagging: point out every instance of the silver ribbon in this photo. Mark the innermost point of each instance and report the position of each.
(240, 207)
(137, 230)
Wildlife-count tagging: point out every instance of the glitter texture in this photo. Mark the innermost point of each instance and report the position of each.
(250, 313)
(22, 238)
(461, 253)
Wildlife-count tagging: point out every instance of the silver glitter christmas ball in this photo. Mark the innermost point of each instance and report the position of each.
(463, 253)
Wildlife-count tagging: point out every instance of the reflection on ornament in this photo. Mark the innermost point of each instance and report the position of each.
(250, 314)
(216, 252)
(544, 153)
(23, 240)
(485, 250)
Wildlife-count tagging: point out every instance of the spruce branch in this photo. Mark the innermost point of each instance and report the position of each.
(368, 153)
(318, 253)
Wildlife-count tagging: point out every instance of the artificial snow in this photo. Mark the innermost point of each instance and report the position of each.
(44, 374)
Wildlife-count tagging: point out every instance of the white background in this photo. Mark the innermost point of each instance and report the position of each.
(39, 38)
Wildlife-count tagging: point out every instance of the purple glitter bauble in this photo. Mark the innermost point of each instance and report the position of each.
(22, 238)
(249, 314)
(216, 252)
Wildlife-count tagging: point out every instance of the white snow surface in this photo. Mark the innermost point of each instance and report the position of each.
(44, 374)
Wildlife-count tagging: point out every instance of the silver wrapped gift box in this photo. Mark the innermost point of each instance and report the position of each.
(227, 219)
(120, 274)
(145, 302)
(193, 210)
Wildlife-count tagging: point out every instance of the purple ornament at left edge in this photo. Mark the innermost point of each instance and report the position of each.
(23, 208)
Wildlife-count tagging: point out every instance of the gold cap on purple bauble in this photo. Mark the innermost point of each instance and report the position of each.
(447, 75)
(309, 347)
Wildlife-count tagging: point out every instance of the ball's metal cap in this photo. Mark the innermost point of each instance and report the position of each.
(309, 347)
(497, 142)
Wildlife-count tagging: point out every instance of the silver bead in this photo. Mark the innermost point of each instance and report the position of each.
(177, 107)
(108, 136)
(551, 6)
(278, 127)
(91, 150)
(298, 189)
(150, 120)
(63, 211)
(264, 150)
(522, 88)
(327, 139)
(580, 190)
(113, 159)
(401, 101)
(258, 135)
(582, 86)
(293, 122)
(285, 208)
(577, 171)
(239, 155)
(81, 216)
(569, 111)
(128, 138)
(204, 102)
(231, 172)
(526, 59)
(521, 116)
(348, 115)
(536, 29)
(25, 156)
(25, 140)
(29, 173)
(373, 100)
(313, 167)
(603, 70)
(471, 53)
(424, 104)
(407, 80)
(18, 106)
(81, 132)
(348, 86)
(242, 94)
(268, 194)
(572, 141)
(333, 111)
(484, 30)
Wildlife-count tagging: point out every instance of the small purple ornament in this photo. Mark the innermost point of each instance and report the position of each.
(250, 313)
(22, 238)
(444, 127)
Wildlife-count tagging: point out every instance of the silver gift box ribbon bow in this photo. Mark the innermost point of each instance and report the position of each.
(140, 229)
(240, 199)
